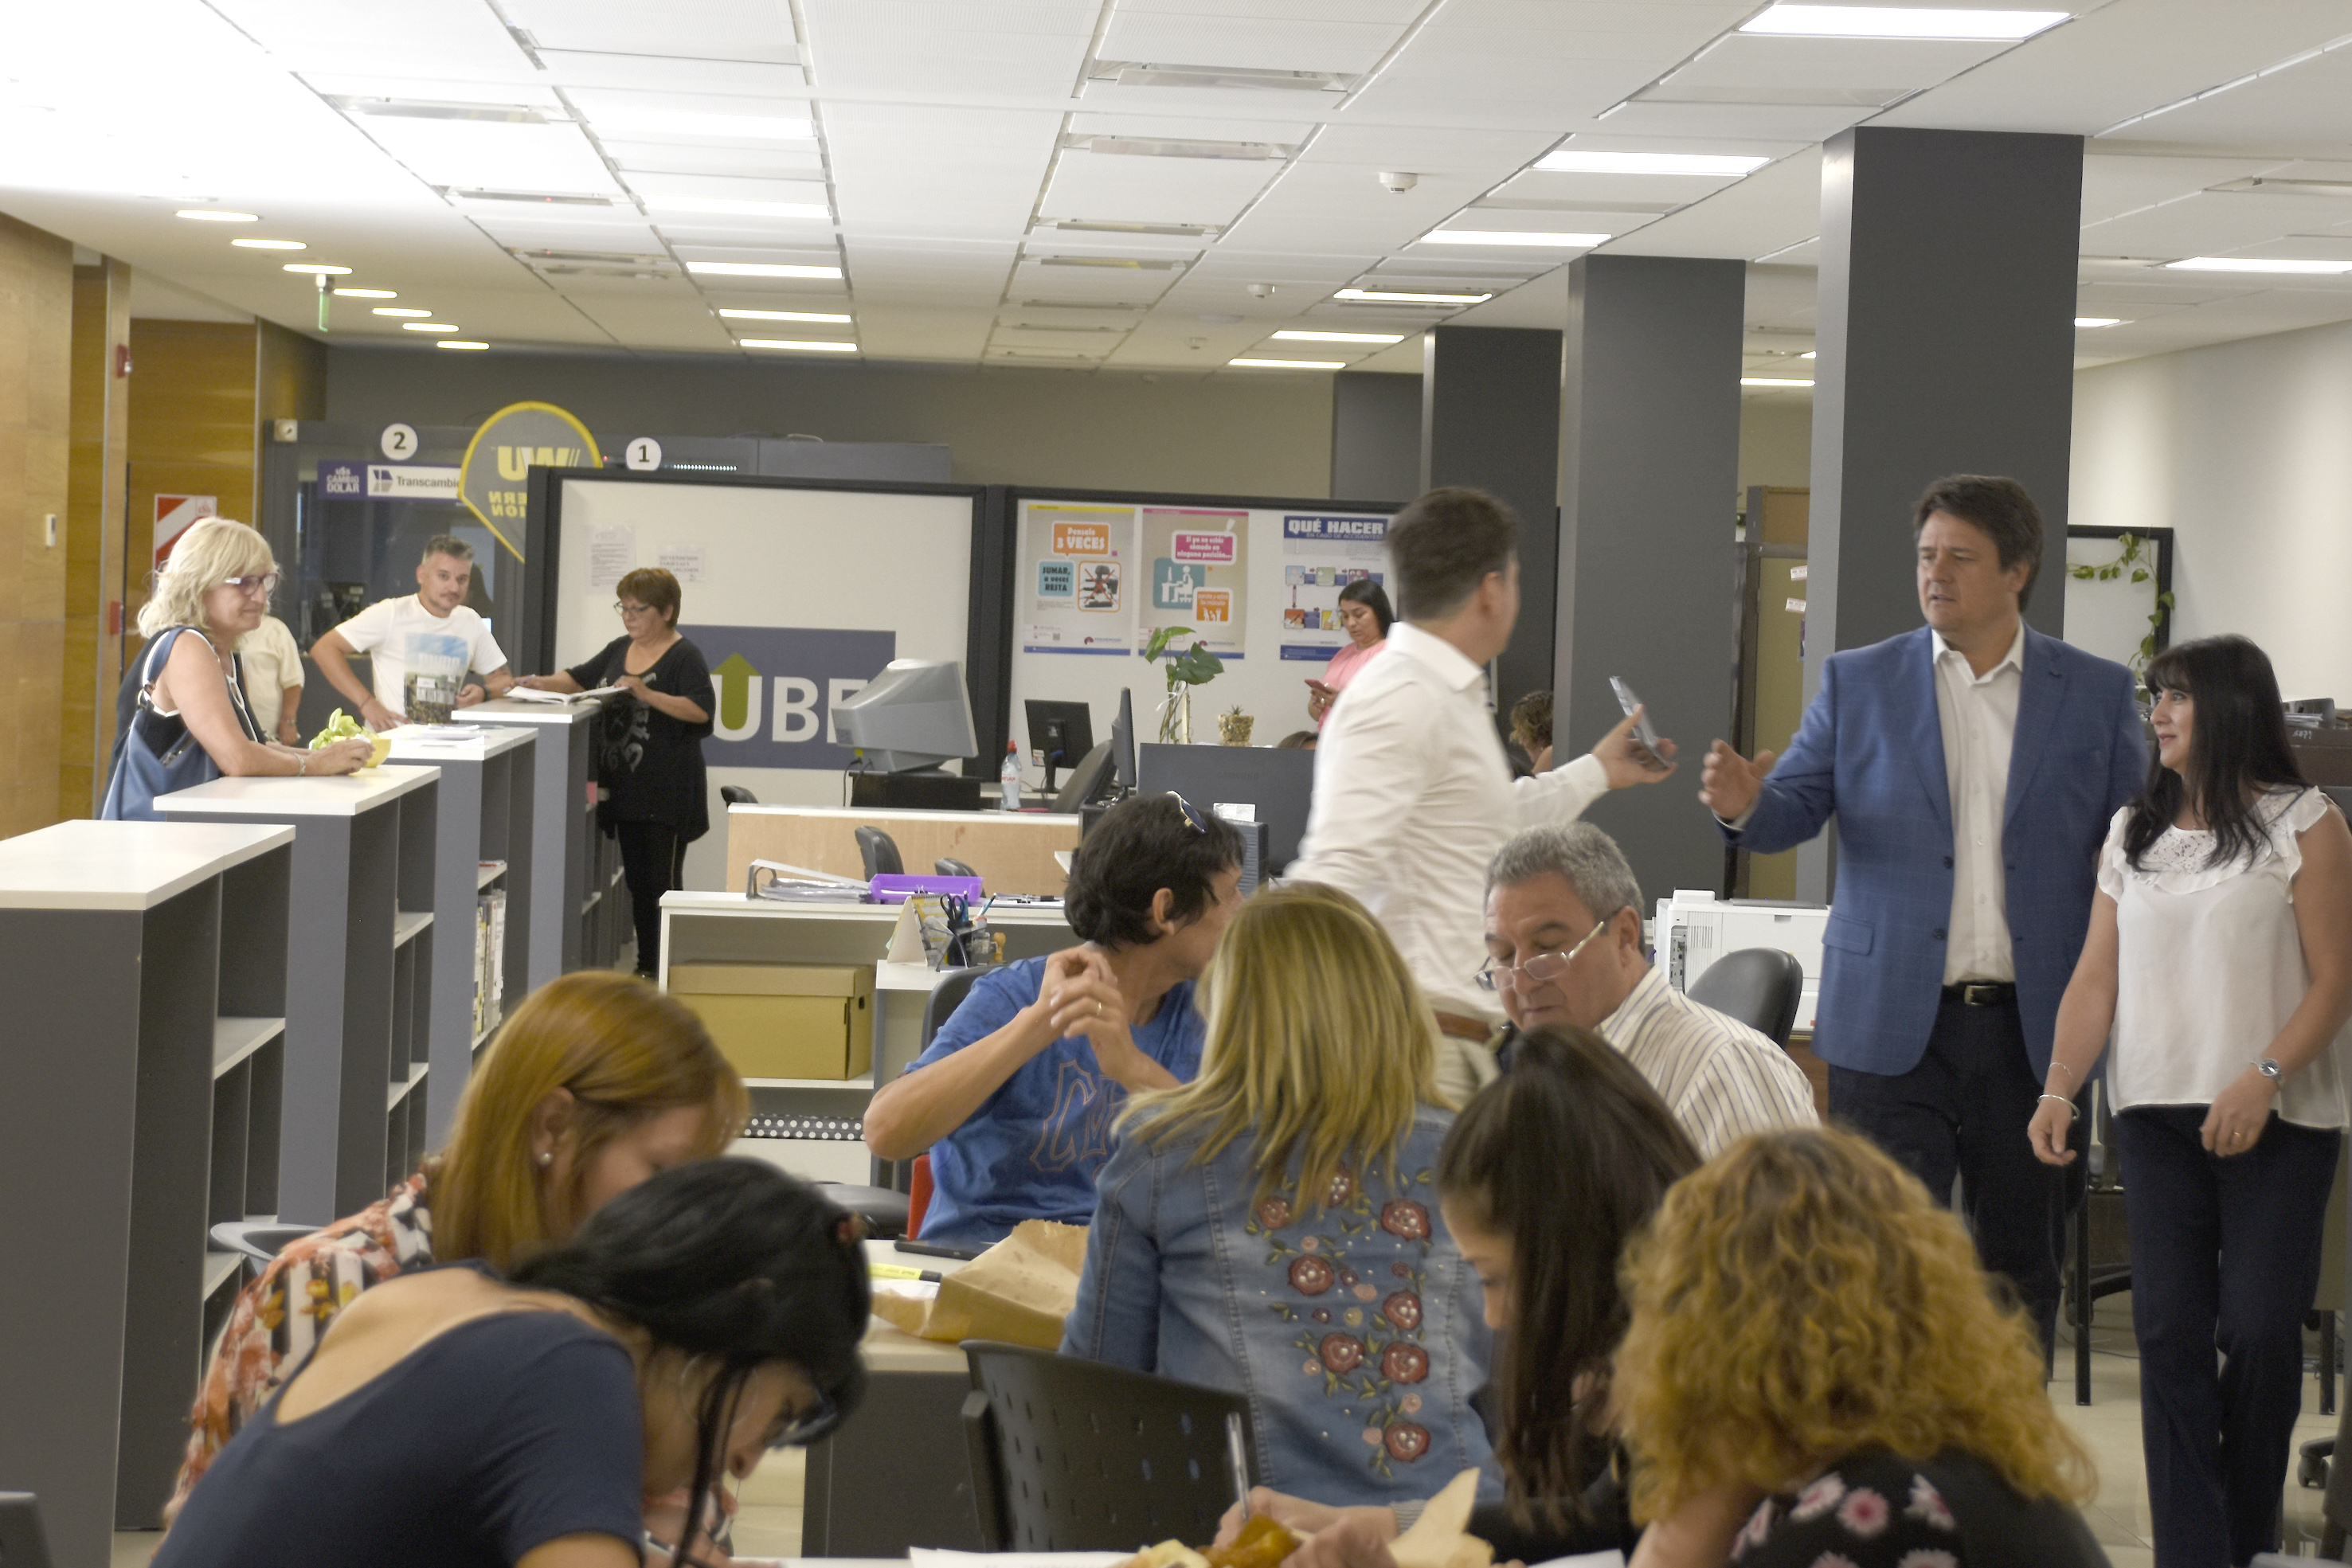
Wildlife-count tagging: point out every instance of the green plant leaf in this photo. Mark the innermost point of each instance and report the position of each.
(2139, 574)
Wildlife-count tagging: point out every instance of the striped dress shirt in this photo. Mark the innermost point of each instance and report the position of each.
(1721, 1079)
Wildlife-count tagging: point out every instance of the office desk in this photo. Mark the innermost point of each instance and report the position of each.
(1012, 851)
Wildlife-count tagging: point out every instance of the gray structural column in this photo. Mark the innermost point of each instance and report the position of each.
(1375, 436)
(1490, 408)
(1648, 464)
(1946, 345)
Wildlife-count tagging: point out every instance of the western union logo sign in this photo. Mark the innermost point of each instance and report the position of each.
(494, 481)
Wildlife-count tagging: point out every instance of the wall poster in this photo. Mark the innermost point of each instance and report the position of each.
(1320, 556)
(1199, 575)
(1076, 593)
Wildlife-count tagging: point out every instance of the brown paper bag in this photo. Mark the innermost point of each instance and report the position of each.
(1018, 1290)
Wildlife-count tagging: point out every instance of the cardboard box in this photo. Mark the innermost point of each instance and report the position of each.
(783, 1021)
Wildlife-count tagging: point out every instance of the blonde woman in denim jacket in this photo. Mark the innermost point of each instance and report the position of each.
(1273, 1227)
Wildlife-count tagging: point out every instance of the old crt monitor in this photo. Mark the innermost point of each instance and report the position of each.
(915, 715)
(1059, 734)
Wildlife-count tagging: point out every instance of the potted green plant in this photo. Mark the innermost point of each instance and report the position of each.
(1193, 666)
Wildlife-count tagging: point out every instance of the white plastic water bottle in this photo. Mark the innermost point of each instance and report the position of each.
(1008, 779)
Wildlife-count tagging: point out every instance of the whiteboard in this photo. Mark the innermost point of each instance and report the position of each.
(795, 596)
(1240, 562)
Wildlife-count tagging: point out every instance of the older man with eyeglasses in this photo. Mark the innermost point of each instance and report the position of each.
(1564, 947)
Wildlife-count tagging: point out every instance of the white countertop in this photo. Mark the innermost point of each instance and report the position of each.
(735, 904)
(346, 796)
(506, 710)
(86, 864)
(417, 743)
(863, 814)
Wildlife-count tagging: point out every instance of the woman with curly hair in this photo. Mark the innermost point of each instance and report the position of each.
(1817, 1370)
(1273, 1227)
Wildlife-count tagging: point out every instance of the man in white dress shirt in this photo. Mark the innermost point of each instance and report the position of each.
(1564, 946)
(1972, 766)
(1413, 793)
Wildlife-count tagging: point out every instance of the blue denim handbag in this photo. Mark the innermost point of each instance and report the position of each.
(159, 753)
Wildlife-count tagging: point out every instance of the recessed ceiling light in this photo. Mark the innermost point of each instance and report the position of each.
(459, 343)
(1340, 337)
(1507, 236)
(427, 326)
(727, 206)
(1900, 22)
(268, 245)
(750, 127)
(397, 309)
(2098, 320)
(369, 293)
(1401, 297)
(1581, 160)
(802, 345)
(1770, 382)
(2254, 264)
(783, 316)
(218, 215)
(1290, 364)
(436, 109)
(758, 269)
(1180, 147)
(318, 268)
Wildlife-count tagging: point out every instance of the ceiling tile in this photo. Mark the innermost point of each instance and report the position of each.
(659, 73)
(1776, 206)
(1259, 43)
(752, 30)
(1127, 189)
(2212, 222)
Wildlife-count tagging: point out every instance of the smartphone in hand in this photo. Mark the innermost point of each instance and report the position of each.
(1643, 731)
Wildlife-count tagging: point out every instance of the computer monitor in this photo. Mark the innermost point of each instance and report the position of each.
(1122, 741)
(915, 715)
(1277, 785)
(1059, 734)
(1089, 780)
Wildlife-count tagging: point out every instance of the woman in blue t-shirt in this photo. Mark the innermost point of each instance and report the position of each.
(1015, 1097)
(452, 1418)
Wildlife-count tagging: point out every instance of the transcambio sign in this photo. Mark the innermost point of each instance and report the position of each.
(777, 688)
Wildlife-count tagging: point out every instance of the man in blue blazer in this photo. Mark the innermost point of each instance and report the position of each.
(1973, 766)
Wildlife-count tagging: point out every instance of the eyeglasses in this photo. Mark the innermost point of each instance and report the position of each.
(1540, 970)
(265, 584)
(628, 609)
(1192, 818)
(813, 1424)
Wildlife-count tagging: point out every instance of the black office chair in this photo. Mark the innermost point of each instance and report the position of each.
(946, 997)
(943, 866)
(260, 1241)
(1760, 986)
(884, 1209)
(736, 795)
(880, 852)
(1070, 1454)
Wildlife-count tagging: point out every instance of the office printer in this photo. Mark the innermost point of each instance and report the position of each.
(1695, 928)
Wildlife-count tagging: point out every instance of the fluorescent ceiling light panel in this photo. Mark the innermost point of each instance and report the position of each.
(396, 310)
(1582, 161)
(732, 207)
(2254, 264)
(1809, 353)
(369, 293)
(1137, 74)
(318, 268)
(2098, 320)
(1178, 147)
(1900, 22)
(1399, 297)
(458, 343)
(802, 345)
(216, 215)
(268, 245)
(1770, 382)
(427, 326)
(1290, 364)
(758, 269)
(436, 109)
(684, 122)
(783, 316)
(1341, 337)
(1511, 236)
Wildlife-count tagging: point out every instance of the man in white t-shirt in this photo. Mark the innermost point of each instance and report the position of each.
(273, 679)
(421, 646)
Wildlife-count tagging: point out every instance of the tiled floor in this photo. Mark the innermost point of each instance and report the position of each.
(768, 1523)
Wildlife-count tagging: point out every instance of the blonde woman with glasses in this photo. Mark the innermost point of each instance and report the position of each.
(1273, 1227)
(192, 724)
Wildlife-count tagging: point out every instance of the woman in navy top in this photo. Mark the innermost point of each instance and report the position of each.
(452, 1418)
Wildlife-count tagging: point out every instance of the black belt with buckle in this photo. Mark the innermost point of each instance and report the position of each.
(1981, 993)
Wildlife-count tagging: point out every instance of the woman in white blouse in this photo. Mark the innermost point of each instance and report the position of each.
(2221, 951)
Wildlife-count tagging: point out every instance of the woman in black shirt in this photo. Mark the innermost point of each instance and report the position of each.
(452, 1418)
(650, 776)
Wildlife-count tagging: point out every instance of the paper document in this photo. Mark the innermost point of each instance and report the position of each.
(934, 1557)
(533, 694)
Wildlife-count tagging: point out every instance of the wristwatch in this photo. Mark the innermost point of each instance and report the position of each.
(2269, 1067)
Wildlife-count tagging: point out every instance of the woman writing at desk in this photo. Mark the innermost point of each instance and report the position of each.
(650, 792)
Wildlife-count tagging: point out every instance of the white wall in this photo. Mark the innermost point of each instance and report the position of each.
(2245, 449)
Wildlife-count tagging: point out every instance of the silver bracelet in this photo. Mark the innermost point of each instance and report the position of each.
(303, 766)
(2074, 1112)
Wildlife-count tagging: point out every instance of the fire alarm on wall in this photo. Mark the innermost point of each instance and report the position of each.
(121, 359)
(284, 430)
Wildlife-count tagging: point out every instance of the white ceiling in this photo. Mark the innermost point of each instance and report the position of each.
(991, 193)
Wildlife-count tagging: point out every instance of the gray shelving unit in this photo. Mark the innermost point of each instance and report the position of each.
(482, 840)
(572, 890)
(145, 965)
(359, 981)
